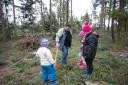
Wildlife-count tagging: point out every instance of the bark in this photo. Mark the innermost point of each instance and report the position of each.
(50, 11)
(112, 25)
(42, 15)
(1, 17)
(63, 15)
(71, 15)
(67, 11)
(14, 17)
(102, 14)
(60, 11)
(120, 43)
(104, 26)
(110, 5)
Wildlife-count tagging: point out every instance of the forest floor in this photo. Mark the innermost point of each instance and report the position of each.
(21, 67)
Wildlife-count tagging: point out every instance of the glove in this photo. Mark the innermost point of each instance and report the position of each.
(57, 45)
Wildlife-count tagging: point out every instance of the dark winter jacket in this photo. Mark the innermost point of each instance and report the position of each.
(68, 39)
(90, 45)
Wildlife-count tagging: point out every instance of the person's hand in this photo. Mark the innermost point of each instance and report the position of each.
(57, 45)
(55, 65)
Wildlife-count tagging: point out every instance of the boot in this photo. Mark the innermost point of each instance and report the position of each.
(52, 83)
(81, 62)
(45, 83)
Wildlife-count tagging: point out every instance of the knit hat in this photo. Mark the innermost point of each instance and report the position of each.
(44, 42)
(86, 28)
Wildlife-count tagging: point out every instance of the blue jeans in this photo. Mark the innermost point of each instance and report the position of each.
(49, 74)
(64, 55)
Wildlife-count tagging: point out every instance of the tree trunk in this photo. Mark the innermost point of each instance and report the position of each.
(120, 31)
(50, 11)
(42, 15)
(102, 14)
(67, 11)
(14, 17)
(60, 11)
(112, 31)
(1, 17)
(7, 32)
(110, 5)
(71, 15)
(63, 12)
(112, 25)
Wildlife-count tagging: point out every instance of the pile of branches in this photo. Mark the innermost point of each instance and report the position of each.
(30, 42)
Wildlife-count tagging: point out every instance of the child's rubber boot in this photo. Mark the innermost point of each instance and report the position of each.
(52, 83)
(81, 62)
(45, 83)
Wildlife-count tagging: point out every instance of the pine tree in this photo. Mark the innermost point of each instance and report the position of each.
(86, 17)
(28, 14)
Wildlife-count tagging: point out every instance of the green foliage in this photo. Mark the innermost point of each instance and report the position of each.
(76, 25)
(34, 81)
(28, 14)
(26, 64)
(12, 79)
(108, 69)
(8, 31)
(22, 66)
(86, 17)
(119, 15)
(1, 37)
(3, 60)
(51, 19)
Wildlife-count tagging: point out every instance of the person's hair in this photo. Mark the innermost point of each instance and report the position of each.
(94, 29)
(68, 25)
(42, 34)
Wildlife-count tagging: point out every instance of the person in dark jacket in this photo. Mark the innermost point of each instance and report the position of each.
(89, 48)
